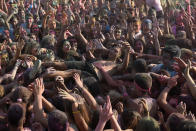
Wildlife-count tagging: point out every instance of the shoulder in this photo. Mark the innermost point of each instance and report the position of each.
(157, 68)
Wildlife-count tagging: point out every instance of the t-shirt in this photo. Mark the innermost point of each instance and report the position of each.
(155, 4)
(157, 68)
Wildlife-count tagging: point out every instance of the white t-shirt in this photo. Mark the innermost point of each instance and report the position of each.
(155, 3)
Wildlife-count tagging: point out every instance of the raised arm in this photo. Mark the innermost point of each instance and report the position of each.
(105, 114)
(156, 37)
(190, 81)
(79, 120)
(51, 72)
(110, 81)
(79, 34)
(86, 94)
(162, 99)
(20, 46)
(37, 106)
(10, 16)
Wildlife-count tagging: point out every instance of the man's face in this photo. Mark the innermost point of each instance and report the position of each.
(52, 24)
(34, 51)
(15, 21)
(145, 28)
(139, 47)
(13, 47)
(136, 26)
(74, 44)
(30, 21)
(118, 34)
(114, 53)
(66, 47)
(4, 58)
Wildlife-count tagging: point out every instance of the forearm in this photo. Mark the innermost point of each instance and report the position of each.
(38, 111)
(83, 39)
(56, 65)
(125, 63)
(163, 96)
(124, 77)
(79, 120)
(89, 98)
(47, 105)
(3, 13)
(64, 74)
(115, 124)
(162, 101)
(44, 22)
(14, 71)
(100, 126)
(10, 16)
(5, 6)
(191, 85)
(148, 56)
(109, 79)
(166, 29)
(157, 46)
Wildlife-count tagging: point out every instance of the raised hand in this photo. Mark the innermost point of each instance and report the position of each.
(190, 116)
(18, 63)
(39, 86)
(180, 64)
(145, 106)
(106, 112)
(181, 108)
(78, 81)
(172, 82)
(21, 44)
(187, 69)
(65, 95)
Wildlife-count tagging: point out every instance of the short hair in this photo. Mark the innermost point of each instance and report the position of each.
(172, 50)
(22, 93)
(57, 121)
(144, 80)
(187, 52)
(140, 65)
(174, 121)
(148, 124)
(16, 115)
(48, 42)
(130, 119)
(188, 125)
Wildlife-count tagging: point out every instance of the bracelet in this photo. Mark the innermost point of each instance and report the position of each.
(125, 94)
(75, 112)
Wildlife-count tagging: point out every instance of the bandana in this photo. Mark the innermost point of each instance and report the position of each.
(141, 89)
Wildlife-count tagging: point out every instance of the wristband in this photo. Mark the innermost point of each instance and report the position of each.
(75, 112)
(125, 94)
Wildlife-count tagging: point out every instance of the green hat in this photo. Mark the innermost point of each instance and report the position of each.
(143, 80)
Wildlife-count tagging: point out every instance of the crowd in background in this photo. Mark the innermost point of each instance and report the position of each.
(94, 65)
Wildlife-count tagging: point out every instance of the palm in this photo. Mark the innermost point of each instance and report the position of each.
(78, 81)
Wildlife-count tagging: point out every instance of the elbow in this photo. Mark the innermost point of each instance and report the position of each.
(161, 101)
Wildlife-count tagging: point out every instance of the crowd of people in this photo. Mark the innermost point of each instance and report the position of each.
(112, 65)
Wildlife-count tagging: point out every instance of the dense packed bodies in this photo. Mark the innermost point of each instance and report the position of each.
(97, 65)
